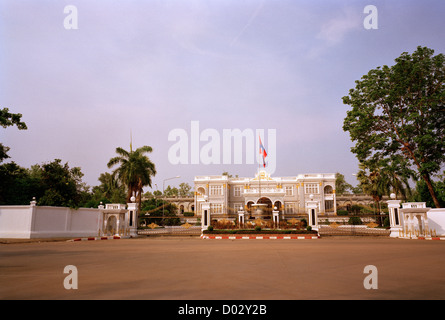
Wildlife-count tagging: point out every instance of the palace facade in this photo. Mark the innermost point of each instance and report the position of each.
(263, 195)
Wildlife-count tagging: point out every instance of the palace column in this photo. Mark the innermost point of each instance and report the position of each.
(132, 217)
(241, 217)
(205, 212)
(312, 210)
(335, 201)
(394, 216)
(276, 217)
(205, 220)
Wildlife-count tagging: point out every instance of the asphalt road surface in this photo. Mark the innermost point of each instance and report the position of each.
(195, 269)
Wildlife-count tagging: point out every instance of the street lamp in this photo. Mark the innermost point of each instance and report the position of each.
(163, 195)
(156, 199)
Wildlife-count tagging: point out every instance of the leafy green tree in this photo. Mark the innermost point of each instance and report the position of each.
(380, 181)
(184, 190)
(398, 116)
(52, 184)
(357, 189)
(135, 170)
(171, 192)
(373, 183)
(226, 173)
(62, 185)
(341, 186)
(160, 212)
(110, 188)
(17, 185)
(9, 119)
(422, 194)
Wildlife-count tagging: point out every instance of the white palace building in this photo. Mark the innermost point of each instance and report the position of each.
(265, 197)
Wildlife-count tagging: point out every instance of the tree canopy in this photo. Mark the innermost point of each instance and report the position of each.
(397, 118)
(8, 119)
(52, 184)
(341, 186)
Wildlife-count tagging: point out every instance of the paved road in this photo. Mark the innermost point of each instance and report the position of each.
(192, 268)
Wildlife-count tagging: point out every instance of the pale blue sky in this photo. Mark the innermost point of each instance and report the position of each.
(153, 66)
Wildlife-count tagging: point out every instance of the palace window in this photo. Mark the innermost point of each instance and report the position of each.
(329, 205)
(216, 207)
(236, 207)
(215, 190)
(201, 191)
(311, 188)
(237, 191)
(328, 190)
(289, 208)
(289, 190)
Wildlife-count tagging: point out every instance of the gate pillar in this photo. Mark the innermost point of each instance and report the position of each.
(132, 217)
(395, 218)
(205, 219)
(312, 210)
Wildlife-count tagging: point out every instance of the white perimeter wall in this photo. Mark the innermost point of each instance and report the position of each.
(436, 220)
(28, 222)
(15, 222)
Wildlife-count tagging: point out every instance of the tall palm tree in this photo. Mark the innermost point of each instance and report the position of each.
(377, 182)
(135, 170)
(373, 183)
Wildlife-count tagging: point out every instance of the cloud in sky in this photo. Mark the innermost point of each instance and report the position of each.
(249, 22)
(334, 30)
(152, 66)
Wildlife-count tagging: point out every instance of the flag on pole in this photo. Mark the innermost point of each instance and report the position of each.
(263, 153)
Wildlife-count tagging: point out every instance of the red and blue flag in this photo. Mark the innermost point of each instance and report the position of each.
(263, 153)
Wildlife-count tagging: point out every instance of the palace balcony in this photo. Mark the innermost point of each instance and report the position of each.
(264, 191)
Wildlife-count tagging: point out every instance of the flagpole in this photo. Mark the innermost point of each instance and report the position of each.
(259, 175)
(263, 152)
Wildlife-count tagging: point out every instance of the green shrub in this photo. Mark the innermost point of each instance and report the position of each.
(355, 221)
(356, 208)
(386, 222)
(257, 228)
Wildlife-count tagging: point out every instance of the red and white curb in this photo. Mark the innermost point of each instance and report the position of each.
(100, 238)
(426, 238)
(260, 237)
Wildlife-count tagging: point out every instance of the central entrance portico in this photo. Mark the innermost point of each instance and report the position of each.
(261, 209)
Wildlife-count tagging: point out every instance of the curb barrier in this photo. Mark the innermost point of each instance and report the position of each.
(100, 238)
(268, 237)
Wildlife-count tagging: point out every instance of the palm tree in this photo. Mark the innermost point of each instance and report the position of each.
(135, 170)
(399, 183)
(377, 182)
(373, 183)
(111, 188)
